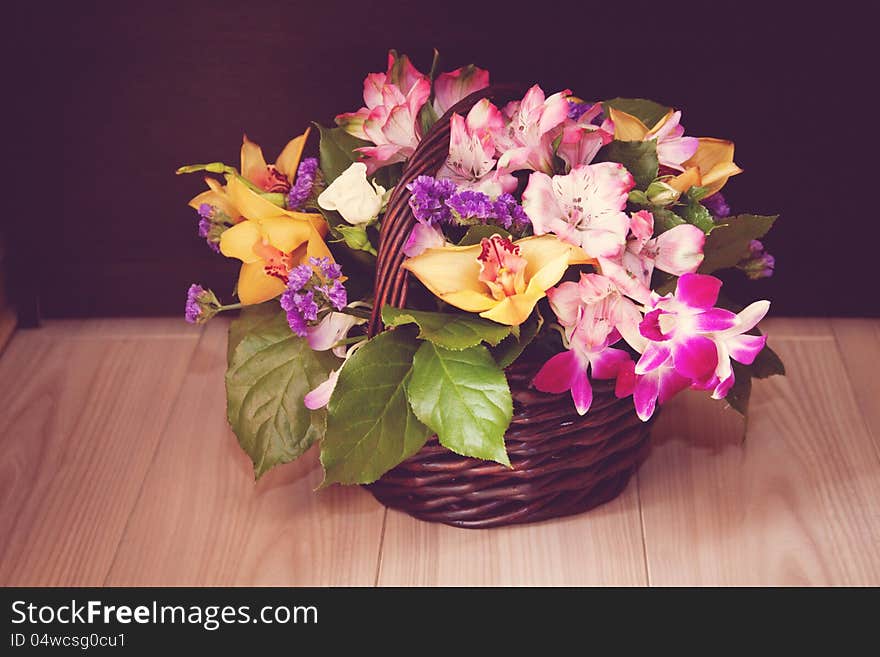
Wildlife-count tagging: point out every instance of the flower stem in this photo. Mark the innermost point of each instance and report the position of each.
(231, 306)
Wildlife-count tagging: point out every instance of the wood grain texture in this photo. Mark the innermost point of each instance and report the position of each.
(859, 343)
(201, 520)
(8, 321)
(602, 547)
(798, 503)
(79, 426)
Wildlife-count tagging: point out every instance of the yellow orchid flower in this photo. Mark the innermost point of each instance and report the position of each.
(276, 177)
(710, 166)
(269, 242)
(499, 279)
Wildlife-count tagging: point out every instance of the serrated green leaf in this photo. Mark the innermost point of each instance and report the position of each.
(370, 426)
(727, 243)
(336, 151)
(698, 193)
(647, 111)
(639, 158)
(464, 398)
(475, 234)
(452, 331)
(695, 213)
(665, 219)
(511, 347)
(767, 363)
(270, 371)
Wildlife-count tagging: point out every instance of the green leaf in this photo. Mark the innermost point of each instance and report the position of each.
(452, 331)
(767, 363)
(251, 319)
(665, 219)
(698, 193)
(270, 371)
(738, 396)
(727, 243)
(370, 426)
(475, 234)
(511, 347)
(355, 237)
(427, 117)
(695, 213)
(647, 111)
(639, 158)
(337, 151)
(464, 398)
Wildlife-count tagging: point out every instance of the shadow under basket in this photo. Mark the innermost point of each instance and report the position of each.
(562, 463)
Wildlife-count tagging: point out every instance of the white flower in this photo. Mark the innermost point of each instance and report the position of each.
(352, 195)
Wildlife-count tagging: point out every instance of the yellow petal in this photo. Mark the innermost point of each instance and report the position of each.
(250, 204)
(714, 157)
(538, 251)
(469, 300)
(255, 286)
(215, 196)
(514, 310)
(684, 181)
(663, 119)
(547, 276)
(253, 164)
(286, 234)
(449, 269)
(289, 159)
(626, 126)
(317, 248)
(238, 241)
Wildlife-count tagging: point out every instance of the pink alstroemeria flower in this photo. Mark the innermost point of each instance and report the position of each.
(581, 140)
(451, 87)
(471, 161)
(673, 148)
(390, 119)
(531, 128)
(584, 207)
(699, 338)
(593, 314)
(678, 251)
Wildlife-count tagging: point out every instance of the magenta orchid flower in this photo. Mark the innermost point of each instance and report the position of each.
(390, 118)
(651, 389)
(678, 251)
(451, 87)
(698, 337)
(471, 161)
(584, 207)
(593, 315)
(531, 128)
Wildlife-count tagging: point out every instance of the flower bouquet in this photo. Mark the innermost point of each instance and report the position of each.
(476, 297)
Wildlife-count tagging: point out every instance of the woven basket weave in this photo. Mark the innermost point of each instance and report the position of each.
(562, 463)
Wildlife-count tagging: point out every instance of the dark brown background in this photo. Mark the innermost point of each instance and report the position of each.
(106, 100)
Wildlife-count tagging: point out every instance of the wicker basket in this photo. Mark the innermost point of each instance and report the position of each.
(562, 463)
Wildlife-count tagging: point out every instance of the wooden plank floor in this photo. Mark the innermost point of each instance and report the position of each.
(118, 469)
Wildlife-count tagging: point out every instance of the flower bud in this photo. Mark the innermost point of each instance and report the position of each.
(661, 193)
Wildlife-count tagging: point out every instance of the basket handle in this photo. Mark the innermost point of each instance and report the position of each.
(391, 279)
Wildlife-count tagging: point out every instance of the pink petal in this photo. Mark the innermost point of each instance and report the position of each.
(320, 396)
(723, 387)
(484, 116)
(674, 152)
(626, 380)
(581, 392)
(377, 157)
(694, 356)
(698, 290)
(607, 363)
(539, 201)
(714, 319)
(418, 96)
(627, 281)
(745, 348)
(353, 123)
(650, 326)
(645, 395)
(451, 87)
(565, 300)
(402, 72)
(654, 356)
(374, 83)
(751, 315)
(558, 374)
(680, 250)
(423, 237)
(329, 331)
(641, 225)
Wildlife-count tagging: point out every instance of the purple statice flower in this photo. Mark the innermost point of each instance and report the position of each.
(469, 204)
(327, 268)
(428, 199)
(757, 263)
(298, 277)
(717, 205)
(301, 309)
(302, 188)
(510, 214)
(335, 293)
(201, 304)
(577, 110)
(211, 224)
